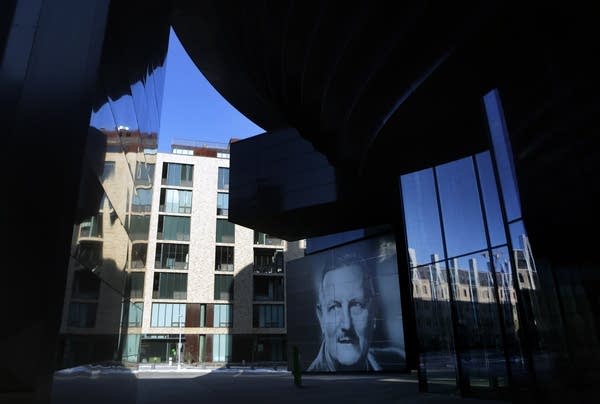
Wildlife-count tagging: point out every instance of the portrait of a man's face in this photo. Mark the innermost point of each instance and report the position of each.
(345, 315)
(344, 310)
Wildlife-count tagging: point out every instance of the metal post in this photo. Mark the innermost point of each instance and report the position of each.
(179, 346)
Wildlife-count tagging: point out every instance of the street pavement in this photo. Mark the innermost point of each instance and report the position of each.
(237, 385)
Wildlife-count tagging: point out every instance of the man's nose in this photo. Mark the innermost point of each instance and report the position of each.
(345, 319)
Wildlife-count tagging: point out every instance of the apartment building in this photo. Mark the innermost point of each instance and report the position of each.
(159, 263)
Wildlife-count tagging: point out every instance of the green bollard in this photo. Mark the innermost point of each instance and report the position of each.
(296, 367)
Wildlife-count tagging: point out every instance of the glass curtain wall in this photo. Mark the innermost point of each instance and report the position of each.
(101, 318)
(472, 271)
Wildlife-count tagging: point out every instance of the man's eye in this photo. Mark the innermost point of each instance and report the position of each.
(333, 306)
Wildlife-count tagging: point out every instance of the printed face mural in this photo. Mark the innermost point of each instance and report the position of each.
(344, 308)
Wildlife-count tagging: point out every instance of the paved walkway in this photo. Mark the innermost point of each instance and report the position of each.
(148, 386)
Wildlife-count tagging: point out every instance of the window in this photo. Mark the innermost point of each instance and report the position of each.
(268, 316)
(171, 256)
(268, 261)
(223, 287)
(109, 170)
(169, 286)
(139, 226)
(223, 315)
(82, 315)
(136, 285)
(223, 180)
(222, 344)
(89, 254)
(139, 251)
(177, 174)
(144, 173)
(224, 258)
(263, 238)
(135, 314)
(91, 227)
(268, 288)
(142, 200)
(225, 231)
(175, 201)
(174, 228)
(167, 315)
(86, 285)
(222, 204)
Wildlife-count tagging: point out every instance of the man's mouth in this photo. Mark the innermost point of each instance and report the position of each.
(345, 340)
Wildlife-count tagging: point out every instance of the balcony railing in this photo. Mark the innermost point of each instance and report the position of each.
(268, 269)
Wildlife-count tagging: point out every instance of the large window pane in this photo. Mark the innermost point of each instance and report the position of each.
(174, 228)
(139, 225)
(142, 200)
(169, 286)
(177, 174)
(223, 287)
(222, 204)
(168, 315)
(139, 251)
(171, 256)
(222, 344)
(82, 314)
(223, 179)
(86, 285)
(503, 153)
(431, 297)
(225, 231)
(490, 199)
(136, 280)
(224, 258)
(136, 311)
(91, 227)
(223, 315)
(175, 201)
(422, 216)
(268, 316)
(268, 288)
(461, 207)
(479, 335)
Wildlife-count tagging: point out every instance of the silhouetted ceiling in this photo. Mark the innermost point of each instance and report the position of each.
(349, 75)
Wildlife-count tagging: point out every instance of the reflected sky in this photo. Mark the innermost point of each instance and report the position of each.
(422, 216)
(461, 209)
(502, 149)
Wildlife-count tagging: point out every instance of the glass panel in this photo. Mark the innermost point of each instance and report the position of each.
(223, 179)
(503, 153)
(461, 209)
(421, 214)
(223, 287)
(225, 231)
(222, 204)
(431, 297)
(137, 285)
(479, 338)
(490, 199)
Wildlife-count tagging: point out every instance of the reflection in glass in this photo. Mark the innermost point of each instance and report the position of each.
(461, 209)
(431, 297)
(479, 336)
(491, 201)
(422, 216)
(503, 154)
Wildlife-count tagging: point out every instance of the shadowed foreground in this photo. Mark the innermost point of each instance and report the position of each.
(237, 387)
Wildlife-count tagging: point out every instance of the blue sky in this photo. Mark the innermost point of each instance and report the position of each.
(192, 108)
